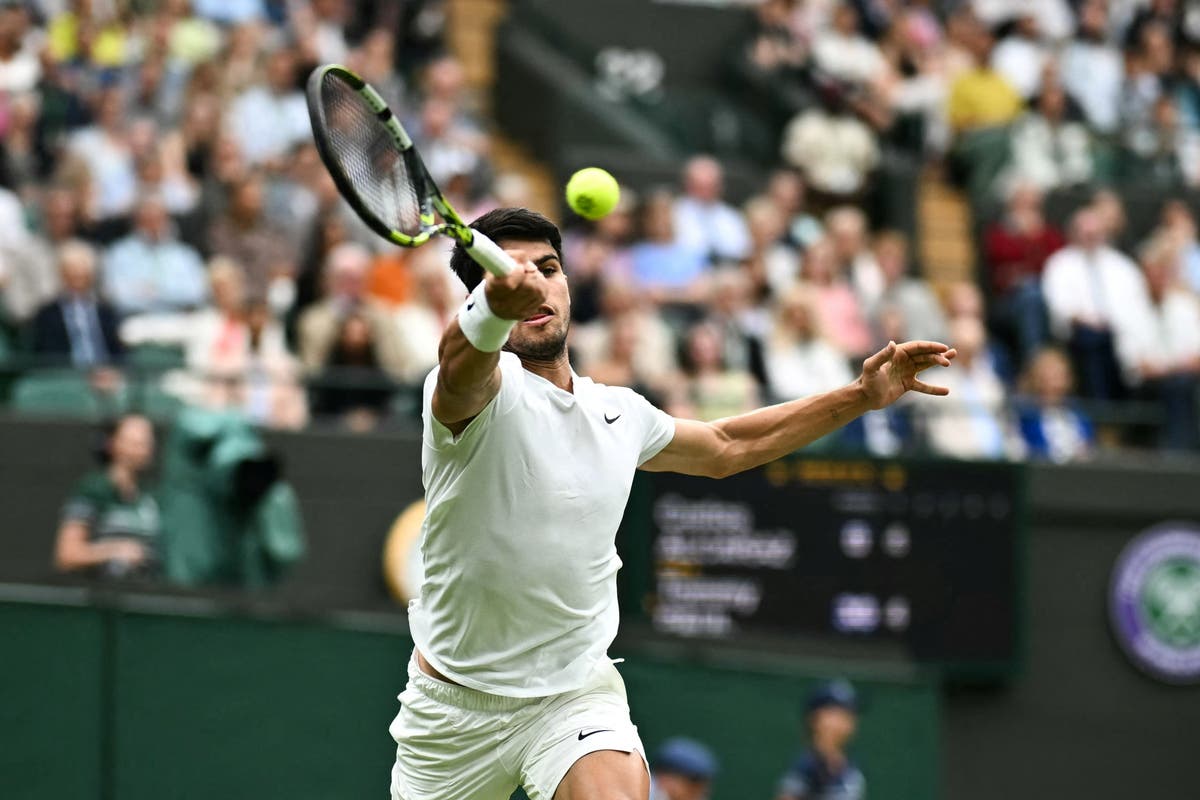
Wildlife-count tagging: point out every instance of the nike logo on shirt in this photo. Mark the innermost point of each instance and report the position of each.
(583, 735)
(611, 421)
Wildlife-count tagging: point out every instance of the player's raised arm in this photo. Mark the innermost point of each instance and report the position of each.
(469, 353)
(731, 445)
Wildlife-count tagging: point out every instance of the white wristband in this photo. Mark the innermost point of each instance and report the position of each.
(484, 330)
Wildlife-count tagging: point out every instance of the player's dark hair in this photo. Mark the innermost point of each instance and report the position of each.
(504, 223)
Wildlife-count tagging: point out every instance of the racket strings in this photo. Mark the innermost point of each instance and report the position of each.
(369, 158)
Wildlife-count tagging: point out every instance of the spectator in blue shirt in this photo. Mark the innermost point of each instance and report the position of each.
(1051, 426)
(150, 270)
(669, 269)
(825, 771)
(682, 769)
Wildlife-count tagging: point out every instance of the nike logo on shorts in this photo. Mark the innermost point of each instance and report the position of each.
(470, 305)
(583, 735)
(611, 421)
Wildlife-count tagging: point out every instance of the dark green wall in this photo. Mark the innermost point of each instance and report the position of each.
(1081, 721)
(177, 703)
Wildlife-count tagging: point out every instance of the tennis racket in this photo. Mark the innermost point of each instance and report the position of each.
(378, 170)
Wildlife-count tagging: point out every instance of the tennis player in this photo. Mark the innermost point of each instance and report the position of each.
(527, 468)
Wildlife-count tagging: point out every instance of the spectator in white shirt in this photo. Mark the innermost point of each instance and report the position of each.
(1092, 68)
(1049, 150)
(1021, 56)
(20, 67)
(906, 299)
(268, 119)
(974, 422)
(1096, 300)
(1168, 365)
(847, 228)
(703, 220)
(843, 52)
(800, 361)
(104, 149)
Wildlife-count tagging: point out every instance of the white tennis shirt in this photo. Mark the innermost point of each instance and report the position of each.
(522, 509)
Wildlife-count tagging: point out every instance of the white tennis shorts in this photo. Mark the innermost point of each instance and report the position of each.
(455, 743)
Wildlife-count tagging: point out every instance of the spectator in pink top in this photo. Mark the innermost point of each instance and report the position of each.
(839, 313)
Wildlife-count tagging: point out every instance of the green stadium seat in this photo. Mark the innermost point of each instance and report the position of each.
(63, 393)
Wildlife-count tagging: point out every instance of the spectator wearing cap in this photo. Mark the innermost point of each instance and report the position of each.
(825, 770)
(682, 769)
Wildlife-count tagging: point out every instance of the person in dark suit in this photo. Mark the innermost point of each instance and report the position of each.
(77, 325)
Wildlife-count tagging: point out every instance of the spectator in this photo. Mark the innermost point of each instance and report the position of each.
(840, 315)
(1015, 250)
(352, 384)
(1093, 69)
(825, 769)
(973, 423)
(1096, 298)
(981, 97)
(150, 270)
(20, 67)
(244, 234)
(740, 322)
(711, 389)
(1162, 151)
(842, 52)
(1021, 56)
(269, 118)
(448, 147)
(421, 321)
(786, 189)
(908, 297)
(655, 354)
(237, 356)
(322, 329)
(110, 524)
(1049, 149)
(834, 149)
(77, 325)
(799, 361)
(773, 263)
(1147, 63)
(1051, 426)
(1168, 354)
(666, 266)
(617, 366)
(847, 227)
(682, 769)
(106, 150)
(1179, 224)
(703, 220)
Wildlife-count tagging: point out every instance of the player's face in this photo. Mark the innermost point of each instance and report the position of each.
(543, 336)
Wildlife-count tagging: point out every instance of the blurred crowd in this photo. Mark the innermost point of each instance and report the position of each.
(162, 195)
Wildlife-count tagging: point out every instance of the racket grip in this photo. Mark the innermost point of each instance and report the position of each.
(489, 255)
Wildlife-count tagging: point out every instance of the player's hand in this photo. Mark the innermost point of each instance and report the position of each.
(521, 293)
(893, 371)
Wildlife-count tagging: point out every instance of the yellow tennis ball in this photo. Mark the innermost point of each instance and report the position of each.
(592, 193)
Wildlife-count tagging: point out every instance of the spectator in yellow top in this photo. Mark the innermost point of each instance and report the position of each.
(981, 97)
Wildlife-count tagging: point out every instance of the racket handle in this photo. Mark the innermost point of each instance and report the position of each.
(489, 255)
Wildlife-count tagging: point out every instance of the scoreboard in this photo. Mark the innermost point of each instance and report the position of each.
(924, 555)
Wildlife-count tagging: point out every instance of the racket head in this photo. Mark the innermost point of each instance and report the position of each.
(373, 161)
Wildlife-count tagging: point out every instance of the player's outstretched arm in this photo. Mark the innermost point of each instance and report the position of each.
(731, 445)
(469, 353)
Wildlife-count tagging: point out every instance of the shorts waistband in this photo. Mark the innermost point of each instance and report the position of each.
(462, 696)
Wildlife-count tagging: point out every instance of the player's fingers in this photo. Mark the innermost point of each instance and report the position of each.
(930, 360)
(929, 388)
(923, 347)
(876, 361)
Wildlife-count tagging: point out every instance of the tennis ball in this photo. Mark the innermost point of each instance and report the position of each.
(592, 193)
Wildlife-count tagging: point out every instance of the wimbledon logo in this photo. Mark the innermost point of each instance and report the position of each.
(1154, 602)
